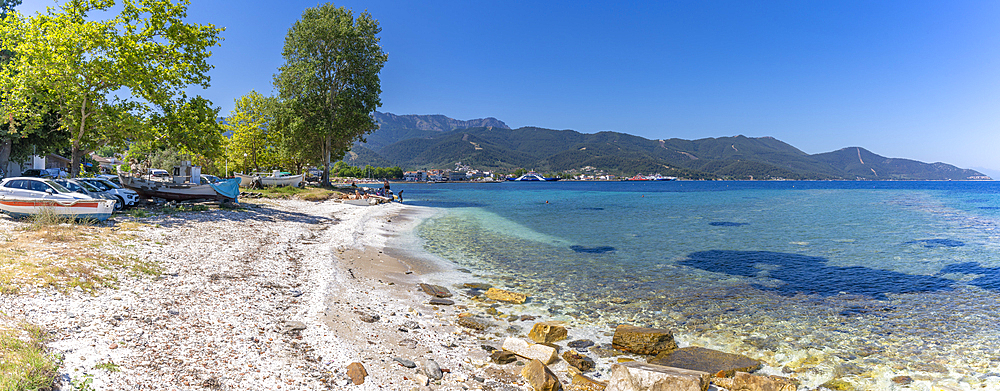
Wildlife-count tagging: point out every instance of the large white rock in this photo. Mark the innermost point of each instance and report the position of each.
(546, 354)
(637, 376)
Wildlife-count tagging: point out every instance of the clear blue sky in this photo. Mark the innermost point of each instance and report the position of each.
(909, 79)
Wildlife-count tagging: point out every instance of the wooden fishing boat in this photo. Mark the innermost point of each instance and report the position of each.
(149, 188)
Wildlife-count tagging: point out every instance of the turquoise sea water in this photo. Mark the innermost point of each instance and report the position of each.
(858, 281)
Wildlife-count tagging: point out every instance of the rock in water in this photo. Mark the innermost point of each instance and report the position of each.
(636, 376)
(520, 347)
(547, 332)
(583, 383)
(745, 381)
(720, 364)
(507, 296)
(578, 361)
(503, 357)
(440, 301)
(643, 340)
(433, 370)
(580, 344)
(435, 290)
(540, 377)
(477, 285)
(474, 323)
(357, 373)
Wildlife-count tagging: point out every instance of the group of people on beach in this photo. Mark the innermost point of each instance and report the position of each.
(383, 192)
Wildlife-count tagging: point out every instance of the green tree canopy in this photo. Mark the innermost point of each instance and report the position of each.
(95, 73)
(254, 141)
(330, 78)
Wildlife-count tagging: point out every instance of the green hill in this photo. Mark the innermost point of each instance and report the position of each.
(423, 142)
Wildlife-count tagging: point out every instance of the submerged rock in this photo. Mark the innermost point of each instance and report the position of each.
(636, 376)
(583, 383)
(440, 301)
(592, 250)
(643, 340)
(435, 290)
(580, 344)
(507, 296)
(503, 357)
(474, 323)
(743, 381)
(547, 332)
(477, 285)
(540, 377)
(720, 364)
(578, 361)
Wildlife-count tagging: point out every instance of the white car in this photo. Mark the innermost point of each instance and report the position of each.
(128, 197)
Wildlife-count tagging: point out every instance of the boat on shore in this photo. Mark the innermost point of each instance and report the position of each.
(533, 177)
(227, 190)
(272, 180)
(23, 197)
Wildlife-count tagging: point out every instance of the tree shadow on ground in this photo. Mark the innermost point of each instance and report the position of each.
(245, 214)
(800, 274)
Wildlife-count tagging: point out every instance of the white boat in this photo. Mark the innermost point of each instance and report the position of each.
(24, 196)
(274, 179)
(533, 177)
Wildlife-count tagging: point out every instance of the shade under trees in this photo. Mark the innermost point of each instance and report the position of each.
(330, 79)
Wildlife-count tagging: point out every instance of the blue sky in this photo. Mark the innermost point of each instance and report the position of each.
(909, 79)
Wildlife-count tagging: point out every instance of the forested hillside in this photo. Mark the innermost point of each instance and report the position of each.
(436, 141)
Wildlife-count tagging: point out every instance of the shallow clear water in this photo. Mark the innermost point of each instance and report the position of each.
(861, 281)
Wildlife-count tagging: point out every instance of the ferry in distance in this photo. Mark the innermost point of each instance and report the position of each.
(533, 177)
(656, 177)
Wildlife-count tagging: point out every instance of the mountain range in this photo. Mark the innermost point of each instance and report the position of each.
(436, 141)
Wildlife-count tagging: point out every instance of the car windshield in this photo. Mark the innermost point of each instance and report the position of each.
(89, 186)
(97, 184)
(109, 184)
(59, 188)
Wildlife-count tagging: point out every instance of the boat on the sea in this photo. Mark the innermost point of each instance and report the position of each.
(24, 196)
(656, 177)
(533, 177)
(275, 178)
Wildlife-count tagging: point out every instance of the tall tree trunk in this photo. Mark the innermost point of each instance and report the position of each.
(326, 161)
(5, 145)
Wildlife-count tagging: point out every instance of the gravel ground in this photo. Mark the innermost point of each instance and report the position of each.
(237, 288)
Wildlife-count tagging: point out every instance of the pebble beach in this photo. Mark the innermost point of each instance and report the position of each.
(283, 294)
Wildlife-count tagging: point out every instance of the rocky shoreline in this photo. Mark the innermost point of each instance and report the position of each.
(296, 295)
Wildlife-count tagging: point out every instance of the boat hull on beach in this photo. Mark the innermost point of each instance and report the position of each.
(176, 192)
(96, 209)
(288, 180)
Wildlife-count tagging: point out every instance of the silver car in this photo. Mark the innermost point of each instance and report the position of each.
(89, 190)
(128, 196)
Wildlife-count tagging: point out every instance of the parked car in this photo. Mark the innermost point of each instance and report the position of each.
(112, 178)
(36, 173)
(128, 196)
(206, 179)
(34, 187)
(160, 174)
(90, 190)
(57, 172)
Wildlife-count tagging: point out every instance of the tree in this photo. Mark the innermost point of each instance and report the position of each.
(330, 78)
(254, 141)
(94, 73)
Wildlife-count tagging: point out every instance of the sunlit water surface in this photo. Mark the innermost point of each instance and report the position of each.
(858, 281)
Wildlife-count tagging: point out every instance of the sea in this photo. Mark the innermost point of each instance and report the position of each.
(852, 284)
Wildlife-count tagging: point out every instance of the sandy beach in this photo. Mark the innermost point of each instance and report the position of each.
(281, 295)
